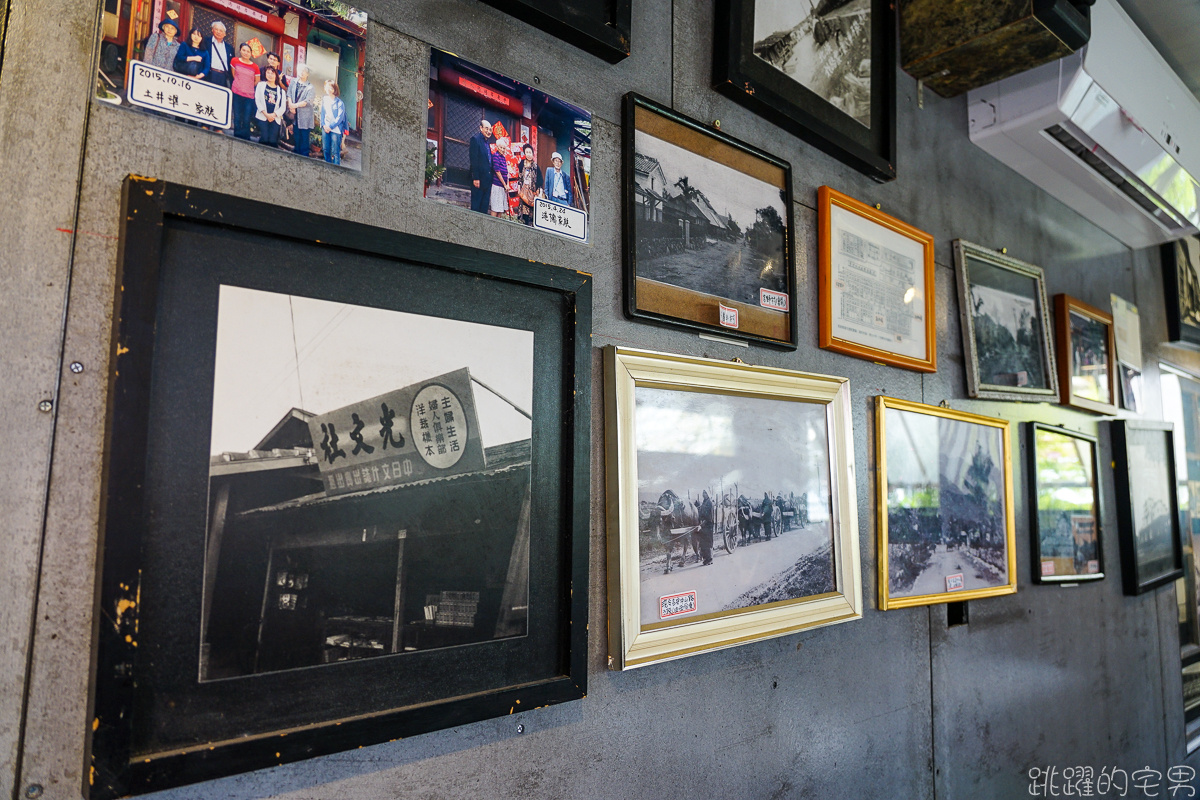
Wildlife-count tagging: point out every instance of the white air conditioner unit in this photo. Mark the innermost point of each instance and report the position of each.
(1110, 130)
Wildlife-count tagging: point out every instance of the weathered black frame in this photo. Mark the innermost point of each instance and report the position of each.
(610, 41)
(634, 101)
(148, 209)
(1035, 528)
(1178, 331)
(1125, 482)
(746, 78)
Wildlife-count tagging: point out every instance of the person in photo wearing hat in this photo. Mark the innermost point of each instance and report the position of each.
(481, 167)
(557, 185)
(163, 45)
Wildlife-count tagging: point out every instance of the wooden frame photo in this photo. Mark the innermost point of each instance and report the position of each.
(749, 468)
(945, 500)
(708, 229)
(1065, 525)
(1147, 504)
(824, 71)
(877, 296)
(372, 522)
(1087, 360)
(602, 29)
(1181, 283)
(1006, 328)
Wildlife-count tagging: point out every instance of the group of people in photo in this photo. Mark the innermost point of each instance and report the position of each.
(283, 109)
(505, 179)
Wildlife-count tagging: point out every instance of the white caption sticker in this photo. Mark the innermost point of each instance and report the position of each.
(1047, 568)
(729, 316)
(563, 220)
(172, 93)
(954, 582)
(675, 604)
(775, 300)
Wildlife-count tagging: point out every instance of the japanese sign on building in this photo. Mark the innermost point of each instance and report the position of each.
(178, 94)
(560, 219)
(426, 430)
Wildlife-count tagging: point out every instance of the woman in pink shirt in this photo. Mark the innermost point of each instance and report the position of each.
(245, 76)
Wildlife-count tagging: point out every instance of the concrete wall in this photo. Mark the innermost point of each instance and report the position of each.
(894, 705)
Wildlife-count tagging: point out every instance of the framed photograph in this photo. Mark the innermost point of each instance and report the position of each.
(731, 506)
(945, 494)
(708, 229)
(1006, 326)
(601, 27)
(1127, 335)
(876, 276)
(1063, 466)
(1147, 504)
(1181, 282)
(823, 70)
(1087, 363)
(343, 507)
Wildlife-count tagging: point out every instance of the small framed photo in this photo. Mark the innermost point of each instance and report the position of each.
(1063, 466)
(945, 499)
(825, 71)
(601, 27)
(1087, 364)
(1005, 325)
(1147, 504)
(876, 281)
(371, 523)
(1181, 281)
(708, 229)
(731, 504)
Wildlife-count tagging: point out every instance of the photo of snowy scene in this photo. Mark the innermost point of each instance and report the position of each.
(704, 226)
(1151, 501)
(824, 45)
(1008, 328)
(733, 500)
(945, 505)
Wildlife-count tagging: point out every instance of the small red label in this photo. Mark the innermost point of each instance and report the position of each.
(729, 316)
(775, 300)
(1047, 568)
(954, 582)
(675, 604)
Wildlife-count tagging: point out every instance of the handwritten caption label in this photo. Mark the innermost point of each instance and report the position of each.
(729, 316)
(675, 604)
(563, 220)
(775, 300)
(954, 582)
(179, 95)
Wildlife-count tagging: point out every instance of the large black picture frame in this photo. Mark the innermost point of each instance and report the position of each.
(770, 93)
(1133, 484)
(609, 41)
(1181, 285)
(178, 247)
(1036, 487)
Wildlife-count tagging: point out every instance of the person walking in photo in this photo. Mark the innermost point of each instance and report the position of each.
(481, 168)
(271, 102)
(301, 97)
(557, 185)
(529, 184)
(162, 45)
(245, 78)
(192, 57)
(499, 200)
(220, 57)
(333, 123)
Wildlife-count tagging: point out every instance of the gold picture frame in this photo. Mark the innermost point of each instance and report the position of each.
(960, 545)
(689, 441)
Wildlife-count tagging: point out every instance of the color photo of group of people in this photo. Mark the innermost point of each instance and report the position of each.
(495, 166)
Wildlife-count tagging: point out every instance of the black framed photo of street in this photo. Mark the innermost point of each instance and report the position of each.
(1147, 503)
(1181, 284)
(342, 505)
(1065, 508)
(823, 70)
(708, 229)
(601, 28)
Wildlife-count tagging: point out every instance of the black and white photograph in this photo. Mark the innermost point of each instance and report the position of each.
(733, 501)
(1090, 358)
(824, 45)
(708, 237)
(1181, 282)
(1066, 529)
(1152, 503)
(949, 525)
(345, 481)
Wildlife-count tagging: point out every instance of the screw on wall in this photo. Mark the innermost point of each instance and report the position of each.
(76, 367)
(45, 406)
(33, 790)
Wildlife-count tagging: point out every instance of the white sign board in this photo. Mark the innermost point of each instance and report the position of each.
(560, 219)
(180, 95)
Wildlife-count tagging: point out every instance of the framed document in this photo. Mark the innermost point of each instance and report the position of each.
(877, 292)
(1063, 470)
(1087, 366)
(731, 505)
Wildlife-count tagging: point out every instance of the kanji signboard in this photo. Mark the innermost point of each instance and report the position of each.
(178, 94)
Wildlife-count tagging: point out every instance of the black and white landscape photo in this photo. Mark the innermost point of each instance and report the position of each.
(1009, 335)
(824, 45)
(1187, 266)
(1150, 495)
(946, 518)
(707, 227)
(733, 501)
(1090, 358)
(421, 542)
